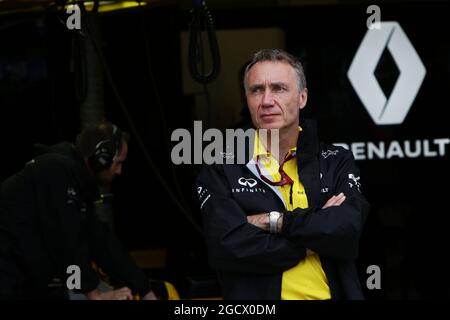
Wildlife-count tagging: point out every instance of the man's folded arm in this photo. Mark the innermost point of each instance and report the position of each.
(334, 231)
(233, 243)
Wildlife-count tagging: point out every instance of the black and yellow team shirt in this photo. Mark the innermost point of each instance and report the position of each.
(307, 280)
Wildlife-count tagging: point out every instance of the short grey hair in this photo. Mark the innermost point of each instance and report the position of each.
(278, 55)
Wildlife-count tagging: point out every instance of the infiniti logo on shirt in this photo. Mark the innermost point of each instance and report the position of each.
(248, 186)
(247, 182)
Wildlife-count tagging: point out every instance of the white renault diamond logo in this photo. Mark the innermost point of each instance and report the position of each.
(394, 109)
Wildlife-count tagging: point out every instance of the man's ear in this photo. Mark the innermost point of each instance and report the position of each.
(303, 98)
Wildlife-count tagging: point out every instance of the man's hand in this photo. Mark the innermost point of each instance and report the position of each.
(119, 294)
(150, 296)
(261, 220)
(335, 201)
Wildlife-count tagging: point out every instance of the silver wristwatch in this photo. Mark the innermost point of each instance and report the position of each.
(273, 219)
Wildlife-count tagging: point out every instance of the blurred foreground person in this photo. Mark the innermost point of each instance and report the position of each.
(48, 228)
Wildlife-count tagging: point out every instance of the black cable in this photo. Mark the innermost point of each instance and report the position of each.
(202, 19)
(79, 68)
(136, 134)
(78, 63)
(96, 5)
(211, 113)
(54, 116)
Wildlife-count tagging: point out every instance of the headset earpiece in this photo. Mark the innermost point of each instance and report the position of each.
(106, 151)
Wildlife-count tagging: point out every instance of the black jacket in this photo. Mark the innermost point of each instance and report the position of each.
(250, 261)
(47, 223)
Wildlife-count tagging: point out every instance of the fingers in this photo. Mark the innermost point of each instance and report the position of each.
(124, 294)
(256, 218)
(119, 294)
(330, 202)
(339, 196)
(150, 296)
(260, 220)
(335, 200)
(252, 219)
(340, 200)
(127, 293)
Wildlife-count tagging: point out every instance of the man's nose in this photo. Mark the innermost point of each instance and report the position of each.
(119, 170)
(267, 99)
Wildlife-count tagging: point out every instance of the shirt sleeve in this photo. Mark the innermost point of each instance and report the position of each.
(332, 232)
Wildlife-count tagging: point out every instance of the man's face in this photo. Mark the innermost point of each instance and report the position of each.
(273, 95)
(106, 176)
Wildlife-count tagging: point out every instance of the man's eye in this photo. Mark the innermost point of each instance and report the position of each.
(279, 89)
(257, 90)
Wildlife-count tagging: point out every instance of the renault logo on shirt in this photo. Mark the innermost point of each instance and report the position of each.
(383, 110)
(354, 181)
(247, 182)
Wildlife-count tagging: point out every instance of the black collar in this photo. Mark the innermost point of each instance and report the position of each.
(308, 160)
(308, 141)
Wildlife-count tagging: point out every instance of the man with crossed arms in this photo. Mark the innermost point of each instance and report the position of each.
(284, 225)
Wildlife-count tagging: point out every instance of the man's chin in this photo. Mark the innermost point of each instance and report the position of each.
(270, 125)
